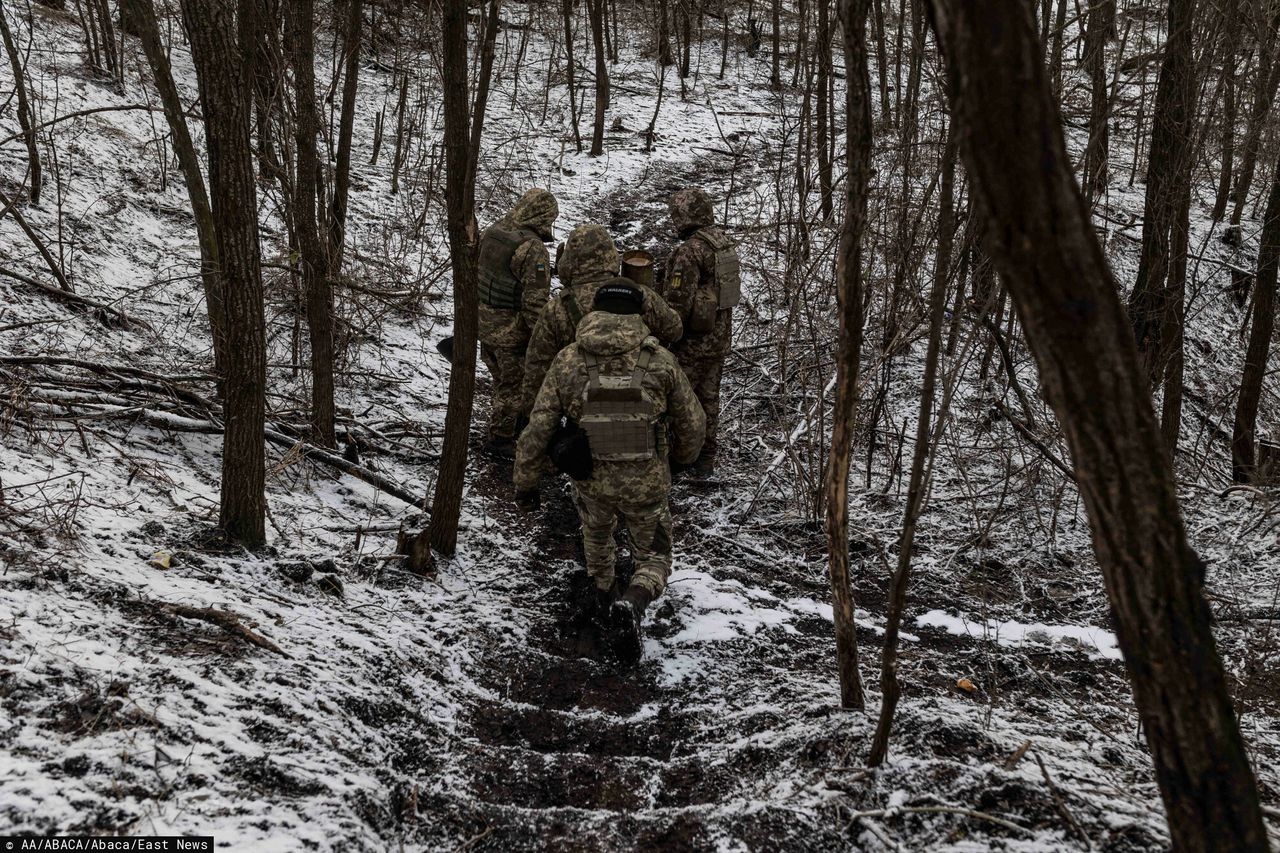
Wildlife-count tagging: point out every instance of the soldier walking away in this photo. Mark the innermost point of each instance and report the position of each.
(635, 406)
(703, 285)
(590, 260)
(514, 283)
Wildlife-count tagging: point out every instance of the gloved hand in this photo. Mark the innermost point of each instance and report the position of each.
(529, 501)
(677, 468)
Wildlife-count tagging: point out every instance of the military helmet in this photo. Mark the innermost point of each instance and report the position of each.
(589, 254)
(691, 208)
(536, 209)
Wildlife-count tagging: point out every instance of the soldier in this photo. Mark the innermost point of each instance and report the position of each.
(514, 282)
(590, 260)
(625, 392)
(703, 285)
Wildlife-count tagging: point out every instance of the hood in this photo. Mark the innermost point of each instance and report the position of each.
(589, 255)
(605, 334)
(537, 209)
(690, 209)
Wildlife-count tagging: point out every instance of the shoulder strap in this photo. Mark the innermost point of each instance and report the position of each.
(593, 367)
(719, 242)
(647, 350)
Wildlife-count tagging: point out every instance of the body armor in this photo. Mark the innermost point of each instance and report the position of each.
(617, 416)
(498, 286)
(728, 269)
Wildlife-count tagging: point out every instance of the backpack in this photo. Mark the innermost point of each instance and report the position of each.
(619, 421)
(498, 286)
(728, 269)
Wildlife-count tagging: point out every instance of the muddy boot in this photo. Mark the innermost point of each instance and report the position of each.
(704, 468)
(596, 605)
(624, 628)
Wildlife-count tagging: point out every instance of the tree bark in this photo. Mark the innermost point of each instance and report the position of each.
(1155, 304)
(596, 11)
(1264, 94)
(1099, 23)
(25, 117)
(144, 15)
(775, 76)
(853, 16)
(308, 188)
(822, 114)
(1043, 243)
(1244, 430)
(1230, 107)
(664, 34)
(221, 33)
(570, 71)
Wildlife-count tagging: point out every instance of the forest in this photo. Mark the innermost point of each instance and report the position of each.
(989, 554)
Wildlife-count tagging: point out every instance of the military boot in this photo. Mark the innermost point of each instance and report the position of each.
(624, 628)
(501, 447)
(597, 604)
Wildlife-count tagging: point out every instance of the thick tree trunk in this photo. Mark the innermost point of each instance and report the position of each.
(144, 15)
(1244, 431)
(596, 11)
(222, 47)
(664, 34)
(1155, 304)
(25, 118)
(1043, 243)
(853, 16)
(566, 7)
(307, 190)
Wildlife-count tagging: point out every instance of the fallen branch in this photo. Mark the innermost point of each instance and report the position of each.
(224, 619)
(333, 460)
(119, 317)
(1035, 442)
(955, 810)
(49, 260)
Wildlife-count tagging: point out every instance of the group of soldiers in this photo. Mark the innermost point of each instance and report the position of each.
(611, 381)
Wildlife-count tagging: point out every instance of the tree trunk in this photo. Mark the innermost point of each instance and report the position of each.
(221, 33)
(144, 15)
(25, 118)
(664, 34)
(446, 503)
(853, 16)
(346, 127)
(1043, 242)
(775, 76)
(1230, 108)
(1264, 94)
(596, 11)
(1098, 26)
(889, 687)
(1154, 304)
(822, 116)
(308, 187)
(570, 71)
(1055, 56)
(686, 38)
(882, 62)
(1244, 431)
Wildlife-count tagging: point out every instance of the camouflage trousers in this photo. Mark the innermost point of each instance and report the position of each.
(704, 372)
(506, 366)
(649, 530)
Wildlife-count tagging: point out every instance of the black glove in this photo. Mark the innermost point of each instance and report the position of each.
(529, 501)
(678, 468)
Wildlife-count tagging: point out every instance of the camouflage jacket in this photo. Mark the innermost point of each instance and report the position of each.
(617, 340)
(503, 329)
(557, 328)
(691, 266)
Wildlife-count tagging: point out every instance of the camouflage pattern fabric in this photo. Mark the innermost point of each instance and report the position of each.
(649, 530)
(691, 266)
(590, 260)
(636, 490)
(504, 335)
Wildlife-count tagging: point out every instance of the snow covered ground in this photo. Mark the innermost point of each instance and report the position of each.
(380, 710)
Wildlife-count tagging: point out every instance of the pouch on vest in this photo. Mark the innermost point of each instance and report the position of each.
(570, 451)
(728, 269)
(498, 286)
(617, 417)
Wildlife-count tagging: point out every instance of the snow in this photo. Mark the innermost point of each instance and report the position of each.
(423, 713)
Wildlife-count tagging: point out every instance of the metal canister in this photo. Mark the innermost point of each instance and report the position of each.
(637, 265)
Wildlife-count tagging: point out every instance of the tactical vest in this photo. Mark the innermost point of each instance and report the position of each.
(619, 420)
(728, 269)
(498, 286)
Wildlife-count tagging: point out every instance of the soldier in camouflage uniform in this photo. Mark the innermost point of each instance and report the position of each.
(702, 285)
(514, 277)
(635, 404)
(590, 260)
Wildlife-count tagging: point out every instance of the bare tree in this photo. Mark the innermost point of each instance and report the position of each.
(1098, 25)
(144, 16)
(853, 17)
(596, 11)
(222, 35)
(566, 7)
(1044, 246)
(1244, 429)
(25, 118)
